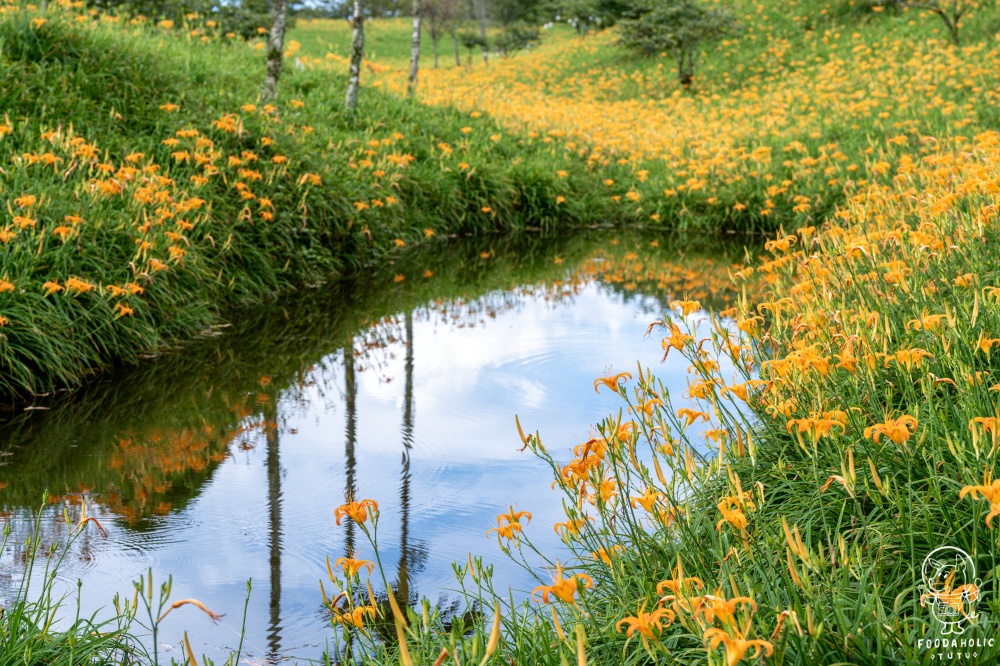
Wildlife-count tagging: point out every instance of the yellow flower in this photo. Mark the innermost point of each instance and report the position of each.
(611, 381)
(988, 424)
(351, 566)
(646, 623)
(647, 500)
(513, 523)
(562, 588)
(686, 307)
(690, 416)
(571, 527)
(355, 616)
(736, 647)
(357, 511)
(989, 491)
(898, 430)
(508, 531)
(51, 287)
(605, 554)
(512, 516)
(78, 286)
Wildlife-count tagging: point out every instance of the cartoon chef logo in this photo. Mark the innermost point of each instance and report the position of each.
(950, 588)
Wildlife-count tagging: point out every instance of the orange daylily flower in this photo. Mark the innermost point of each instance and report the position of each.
(989, 490)
(355, 616)
(563, 588)
(899, 430)
(690, 416)
(736, 647)
(646, 623)
(611, 381)
(358, 511)
(351, 566)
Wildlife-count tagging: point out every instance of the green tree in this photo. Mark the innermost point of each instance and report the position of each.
(951, 12)
(677, 27)
(442, 18)
(581, 14)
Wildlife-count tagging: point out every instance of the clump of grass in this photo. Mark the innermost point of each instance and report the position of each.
(28, 624)
(33, 630)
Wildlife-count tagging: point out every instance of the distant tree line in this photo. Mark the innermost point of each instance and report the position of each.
(674, 28)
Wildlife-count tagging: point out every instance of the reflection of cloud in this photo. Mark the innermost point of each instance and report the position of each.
(532, 392)
(538, 360)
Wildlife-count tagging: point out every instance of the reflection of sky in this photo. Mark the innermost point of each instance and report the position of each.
(538, 361)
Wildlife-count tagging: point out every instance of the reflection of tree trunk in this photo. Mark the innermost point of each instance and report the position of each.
(403, 584)
(274, 533)
(350, 390)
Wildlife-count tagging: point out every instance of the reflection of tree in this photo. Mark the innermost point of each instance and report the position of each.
(350, 394)
(403, 575)
(274, 525)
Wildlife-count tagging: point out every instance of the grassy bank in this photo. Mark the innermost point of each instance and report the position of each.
(147, 193)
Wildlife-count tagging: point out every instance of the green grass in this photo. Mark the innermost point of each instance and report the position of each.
(33, 610)
(389, 175)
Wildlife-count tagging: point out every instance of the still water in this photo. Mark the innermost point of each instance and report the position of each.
(224, 459)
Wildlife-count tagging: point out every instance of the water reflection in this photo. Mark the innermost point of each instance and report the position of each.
(221, 461)
(274, 533)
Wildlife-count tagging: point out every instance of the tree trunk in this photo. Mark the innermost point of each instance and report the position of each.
(454, 45)
(411, 85)
(357, 55)
(482, 33)
(275, 50)
(479, 11)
